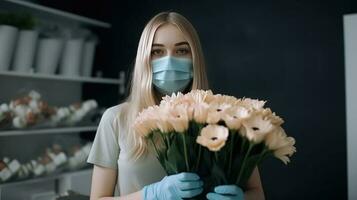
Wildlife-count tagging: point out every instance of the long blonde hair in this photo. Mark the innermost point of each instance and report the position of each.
(142, 93)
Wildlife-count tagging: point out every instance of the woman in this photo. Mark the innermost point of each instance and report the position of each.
(169, 59)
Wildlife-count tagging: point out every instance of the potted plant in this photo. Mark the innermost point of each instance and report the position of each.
(88, 55)
(49, 50)
(26, 43)
(72, 52)
(8, 35)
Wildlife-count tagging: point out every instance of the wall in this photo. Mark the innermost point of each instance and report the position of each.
(287, 52)
(350, 38)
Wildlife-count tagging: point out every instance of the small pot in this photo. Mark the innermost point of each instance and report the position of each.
(25, 50)
(48, 55)
(72, 57)
(8, 36)
(88, 58)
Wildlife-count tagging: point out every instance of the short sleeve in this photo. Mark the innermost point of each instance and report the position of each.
(105, 148)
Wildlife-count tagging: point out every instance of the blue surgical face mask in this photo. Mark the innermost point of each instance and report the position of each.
(171, 74)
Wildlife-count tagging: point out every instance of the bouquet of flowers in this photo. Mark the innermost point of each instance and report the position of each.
(219, 137)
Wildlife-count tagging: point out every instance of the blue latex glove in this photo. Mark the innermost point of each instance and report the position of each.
(226, 192)
(174, 187)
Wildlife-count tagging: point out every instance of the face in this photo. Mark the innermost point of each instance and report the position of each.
(170, 41)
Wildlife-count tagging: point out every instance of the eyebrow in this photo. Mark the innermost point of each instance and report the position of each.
(177, 44)
(181, 43)
(159, 45)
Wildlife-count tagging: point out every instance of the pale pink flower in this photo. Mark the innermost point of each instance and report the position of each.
(251, 104)
(222, 99)
(162, 119)
(200, 112)
(178, 118)
(199, 96)
(288, 150)
(171, 100)
(268, 114)
(275, 139)
(153, 118)
(144, 128)
(281, 145)
(233, 116)
(216, 112)
(213, 137)
(255, 128)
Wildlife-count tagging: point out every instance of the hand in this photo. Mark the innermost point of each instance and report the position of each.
(226, 192)
(174, 187)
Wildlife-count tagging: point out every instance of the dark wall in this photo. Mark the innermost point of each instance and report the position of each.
(287, 52)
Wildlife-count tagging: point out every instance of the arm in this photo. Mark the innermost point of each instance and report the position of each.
(103, 185)
(254, 187)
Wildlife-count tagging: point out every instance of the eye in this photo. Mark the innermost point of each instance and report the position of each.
(157, 52)
(182, 51)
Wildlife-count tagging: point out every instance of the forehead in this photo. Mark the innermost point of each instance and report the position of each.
(168, 34)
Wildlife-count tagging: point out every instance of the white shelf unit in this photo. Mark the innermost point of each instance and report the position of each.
(62, 78)
(51, 13)
(350, 41)
(61, 183)
(45, 178)
(48, 131)
(120, 82)
(76, 180)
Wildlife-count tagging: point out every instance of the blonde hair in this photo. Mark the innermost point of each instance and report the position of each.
(142, 93)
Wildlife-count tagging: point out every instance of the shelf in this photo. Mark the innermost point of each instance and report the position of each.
(44, 12)
(48, 131)
(45, 178)
(61, 77)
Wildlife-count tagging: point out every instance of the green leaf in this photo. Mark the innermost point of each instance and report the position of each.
(218, 174)
(249, 167)
(161, 156)
(170, 168)
(192, 150)
(251, 162)
(175, 157)
(19, 20)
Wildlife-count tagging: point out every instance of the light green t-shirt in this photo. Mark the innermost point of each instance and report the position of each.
(110, 150)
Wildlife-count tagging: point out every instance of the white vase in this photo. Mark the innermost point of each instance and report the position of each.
(25, 50)
(48, 54)
(8, 35)
(88, 58)
(72, 57)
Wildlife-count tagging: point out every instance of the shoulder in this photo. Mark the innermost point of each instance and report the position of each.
(111, 117)
(112, 112)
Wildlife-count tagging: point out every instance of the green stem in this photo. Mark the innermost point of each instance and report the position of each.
(243, 144)
(167, 138)
(199, 157)
(153, 143)
(163, 139)
(200, 126)
(185, 151)
(244, 162)
(262, 154)
(231, 154)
